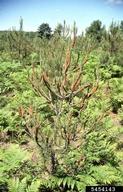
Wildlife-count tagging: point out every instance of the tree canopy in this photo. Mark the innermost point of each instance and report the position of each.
(96, 30)
(44, 31)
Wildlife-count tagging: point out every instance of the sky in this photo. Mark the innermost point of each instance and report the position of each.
(36, 12)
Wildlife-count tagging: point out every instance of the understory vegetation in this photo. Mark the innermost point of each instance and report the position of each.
(61, 108)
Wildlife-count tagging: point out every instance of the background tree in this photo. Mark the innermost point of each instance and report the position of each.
(96, 30)
(44, 31)
(121, 25)
(58, 30)
(19, 45)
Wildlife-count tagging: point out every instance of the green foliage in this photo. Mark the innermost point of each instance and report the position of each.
(34, 187)
(116, 85)
(96, 30)
(44, 31)
(11, 159)
(106, 175)
(58, 30)
(15, 185)
(6, 83)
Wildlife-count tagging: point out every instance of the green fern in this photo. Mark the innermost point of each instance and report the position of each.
(64, 183)
(106, 174)
(34, 187)
(11, 159)
(15, 185)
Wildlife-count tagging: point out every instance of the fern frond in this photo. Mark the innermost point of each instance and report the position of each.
(34, 187)
(15, 185)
